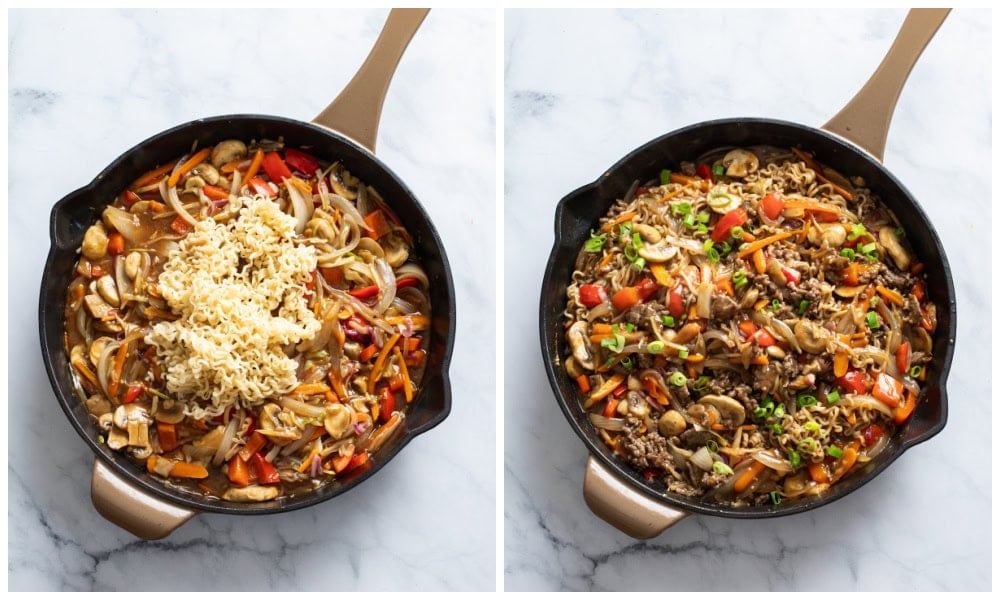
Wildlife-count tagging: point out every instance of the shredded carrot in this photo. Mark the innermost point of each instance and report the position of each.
(747, 477)
(606, 388)
(805, 231)
(627, 216)
(674, 193)
(846, 461)
(725, 285)
(420, 322)
(407, 384)
(695, 358)
(376, 373)
(153, 312)
(583, 382)
(761, 243)
(188, 470)
(760, 304)
(151, 176)
(116, 373)
(382, 433)
(604, 261)
(308, 461)
(334, 376)
(759, 262)
(840, 360)
(818, 207)
(812, 164)
(660, 273)
(258, 158)
(302, 186)
(688, 180)
(602, 328)
(189, 164)
(890, 295)
(157, 207)
(754, 360)
(86, 372)
(331, 397)
(310, 389)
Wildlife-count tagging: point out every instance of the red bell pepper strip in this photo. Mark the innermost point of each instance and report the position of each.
(266, 473)
(675, 302)
(646, 288)
(610, 407)
(388, 405)
(888, 389)
(276, 168)
(764, 338)
(853, 382)
(583, 382)
(378, 224)
(214, 192)
(365, 292)
(625, 298)
(905, 408)
(180, 226)
(358, 460)
(301, 162)
(406, 282)
(133, 393)
(255, 442)
(129, 198)
(903, 358)
(116, 244)
(239, 471)
(592, 295)
(340, 462)
(368, 353)
(261, 187)
(731, 219)
(772, 205)
(704, 171)
(872, 434)
(791, 274)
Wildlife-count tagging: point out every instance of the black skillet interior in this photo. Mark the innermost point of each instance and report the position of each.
(72, 215)
(580, 211)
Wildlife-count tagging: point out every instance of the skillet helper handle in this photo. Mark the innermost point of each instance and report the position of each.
(132, 509)
(357, 110)
(865, 119)
(620, 505)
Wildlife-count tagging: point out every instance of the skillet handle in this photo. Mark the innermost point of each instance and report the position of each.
(132, 509)
(357, 110)
(630, 511)
(865, 119)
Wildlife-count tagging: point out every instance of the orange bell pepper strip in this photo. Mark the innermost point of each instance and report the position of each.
(189, 164)
(168, 435)
(819, 473)
(905, 408)
(239, 471)
(888, 389)
(747, 477)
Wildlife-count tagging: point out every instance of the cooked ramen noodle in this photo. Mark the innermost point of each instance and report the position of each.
(748, 329)
(248, 322)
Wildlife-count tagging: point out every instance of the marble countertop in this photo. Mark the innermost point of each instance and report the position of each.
(84, 87)
(583, 88)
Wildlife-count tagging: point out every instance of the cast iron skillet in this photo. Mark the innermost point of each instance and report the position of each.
(122, 491)
(613, 489)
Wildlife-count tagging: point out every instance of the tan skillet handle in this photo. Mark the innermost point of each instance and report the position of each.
(356, 111)
(865, 119)
(630, 511)
(132, 509)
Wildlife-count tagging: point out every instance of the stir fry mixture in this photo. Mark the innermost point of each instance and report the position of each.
(748, 329)
(247, 322)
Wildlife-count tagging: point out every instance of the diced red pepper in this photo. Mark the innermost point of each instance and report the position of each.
(358, 460)
(406, 282)
(340, 462)
(215, 193)
(791, 274)
(731, 219)
(918, 291)
(133, 393)
(853, 382)
(903, 358)
(704, 171)
(254, 443)
(116, 244)
(129, 198)
(609, 408)
(368, 353)
(641, 190)
(261, 188)
(365, 292)
(888, 389)
(646, 288)
(772, 205)
(239, 471)
(675, 302)
(592, 295)
(266, 472)
(872, 434)
(649, 473)
(388, 405)
(301, 162)
(764, 338)
(180, 226)
(851, 274)
(625, 298)
(747, 328)
(620, 391)
(275, 167)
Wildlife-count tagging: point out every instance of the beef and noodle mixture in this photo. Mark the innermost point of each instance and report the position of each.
(748, 329)
(247, 321)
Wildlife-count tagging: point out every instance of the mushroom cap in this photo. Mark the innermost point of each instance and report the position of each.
(731, 411)
(740, 162)
(657, 253)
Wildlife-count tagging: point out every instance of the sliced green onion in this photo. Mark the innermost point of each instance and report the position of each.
(779, 411)
(718, 170)
(777, 428)
(655, 347)
(849, 253)
(701, 383)
(704, 217)
(759, 413)
(677, 378)
(595, 243)
(637, 240)
(639, 264)
(833, 397)
(803, 307)
(767, 401)
(834, 451)
(811, 426)
(625, 230)
(682, 353)
(900, 233)
(737, 232)
(702, 228)
(775, 497)
(805, 400)
(739, 278)
(629, 327)
(776, 305)
(681, 208)
(915, 371)
(668, 320)
(857, 231)
(712, 445)
(726, 248)
(708, 245)
(630, 253)
(808, 446)
(744, 246)
(713, 255)
(627, 362)
(722, 468)
(869, 248)
(688, 220)
(664, 176)
(872, 319)
(794, 458)
(609, 362)
(100, 439)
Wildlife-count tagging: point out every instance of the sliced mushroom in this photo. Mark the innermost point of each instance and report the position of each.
(637, 407)
(134, 419)
(204, 448)
(887, 237)
(657, 253)
(775, 272)
(671, 423)
(274, 428)
(207, 172)
(228, 151)
(169, 411)
(845, 291)
(337, 421)
(832, 235)
(98, 405)
(142, 452)
(396, 251)
(572, 368)
(703, 414)
(108, 290)
(731, 412)
(192, 183)
(922, 341)
(580, 345)
(647, 233)
(252, 493)
(811, 337)
(106, 421)
(98, 308)
(740, 162)
(117, 438)
(133, 262)
(95, 242)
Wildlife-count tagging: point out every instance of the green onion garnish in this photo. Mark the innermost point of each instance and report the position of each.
(767, 401)
(833, 397)
(713, 255)
(803, 307)
(759, 413)
(811, 425)
(869, 248)
(899, 232)
(595, 243)
(629, 327)
(775, 498)
(915, 371)
(775, 305)
(776, 428)
(857, 231)
(627, 362)
(708, 245)
(779, 411)
(834, 451)
(873, 302)
(872, 319)
(737, 232)
(704, 217)
(794, 458)
(609, 362)
(682, 353)
(718, 170)
(702, 228)
(701, 383)
(805, 400)
(712, 445)
(637, 240)
(722, 468)
(639, 263)
(688, 220)
(616, 343)
(808, 446)
(739, 278)
(668, 320)
(677, 378)
(848, 253)
(664, 176)
(681, 208)
(625, 230)
(726, 248)
(655, 347)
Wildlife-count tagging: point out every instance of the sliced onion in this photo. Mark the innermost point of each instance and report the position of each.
(413, 270)
(704, 304)
(227, 439)
(386, 281)
(768, 459)
(125, 223)
(692, 246)
(350, 211)
(867, 401)
(783, 330)
(103, 367)
(603, 309)
(365, 311)
(702, 459)
(301, 408)
(302, 441)
(175, 203)
(602, 422)
(301, 209)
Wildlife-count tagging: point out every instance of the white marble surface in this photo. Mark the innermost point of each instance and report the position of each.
(584, 88)
(85, 86)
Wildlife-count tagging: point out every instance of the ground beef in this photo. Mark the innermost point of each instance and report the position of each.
(892, 279)
(833, 263)
(693, 439)
(647, 450)
(723, 307)
(911, 311)
(764, 378)
(726, 384)
(642, 312)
